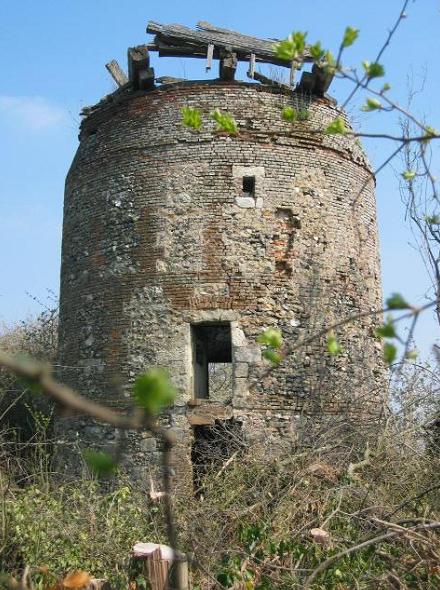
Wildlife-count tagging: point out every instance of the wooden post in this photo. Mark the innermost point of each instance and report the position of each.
(159, 566)
(228, 66)
(139, 72)
(117, 73)
(292, 72)
(251, 70)
(209, 56)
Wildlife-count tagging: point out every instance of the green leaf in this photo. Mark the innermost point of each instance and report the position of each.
(272, 356)
(153, 391)
(316, 51)
(385, 88)
(432, 219)
(333, 346)
(303, 115)
(430, 132)
(396, 301)
(99, 462)
(271, 337)
(371, 105)
(330, 61)
(373, 70)
(408, 174)
(225, 122)
(411, 355)
(289, 114)
(292, 47)
(350, 36)
(299, 41)
(336, 127)
(389, 352)
(387, 330)
(191, 117)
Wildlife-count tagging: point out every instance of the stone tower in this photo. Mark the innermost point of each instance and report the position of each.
(180, 247)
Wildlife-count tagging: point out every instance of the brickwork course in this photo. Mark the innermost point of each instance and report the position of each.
(160, 236)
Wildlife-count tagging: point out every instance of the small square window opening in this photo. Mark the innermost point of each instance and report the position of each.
(249, 186)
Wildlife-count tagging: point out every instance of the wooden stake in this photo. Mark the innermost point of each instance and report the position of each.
(209, 56)
(292, 72)
(251, 70)
(117, 73)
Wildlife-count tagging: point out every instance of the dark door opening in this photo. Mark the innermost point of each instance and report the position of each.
(212, 361)
(212, 447)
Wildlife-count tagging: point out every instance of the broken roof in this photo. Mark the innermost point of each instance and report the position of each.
(178, 40)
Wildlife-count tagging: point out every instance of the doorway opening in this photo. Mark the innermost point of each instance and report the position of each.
(213, 446)
(212, 361)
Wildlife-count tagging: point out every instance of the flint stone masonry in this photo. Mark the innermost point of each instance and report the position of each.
(158, 237)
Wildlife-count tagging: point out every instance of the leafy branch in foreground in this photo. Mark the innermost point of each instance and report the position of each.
(272, 340)
(153, 391)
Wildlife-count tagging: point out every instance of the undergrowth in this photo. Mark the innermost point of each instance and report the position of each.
(258, 522)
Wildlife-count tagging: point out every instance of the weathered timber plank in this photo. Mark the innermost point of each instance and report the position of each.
(242, 45)
(169, 80)
(251, 70)
(228, 67)
(323, 80)
(145, 79)
(317, 81)
(293, 68)
(269, 81)
(117, 73)
(209, 56)
(138, 59)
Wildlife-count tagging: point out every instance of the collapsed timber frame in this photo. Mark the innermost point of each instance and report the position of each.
(210, 42)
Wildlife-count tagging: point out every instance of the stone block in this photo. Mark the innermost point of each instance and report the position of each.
(241, 370)
(247, 354)
(239, 171)
(237, 336)
(245, 202)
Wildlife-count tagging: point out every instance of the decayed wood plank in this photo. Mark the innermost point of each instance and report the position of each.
(138, 59)
(209, 56)
(293, 67)
(323, 80)
(169, 80)
(251, 70)
(228, 66)
(269, 81)
(194, 41)
(145, 79)
(317, 81)
(140, 74)
(117, 73)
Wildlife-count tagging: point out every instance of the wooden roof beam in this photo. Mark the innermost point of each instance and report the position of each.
(178, 36)
(117, 73)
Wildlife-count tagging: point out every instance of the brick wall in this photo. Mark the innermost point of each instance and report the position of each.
(158, 234)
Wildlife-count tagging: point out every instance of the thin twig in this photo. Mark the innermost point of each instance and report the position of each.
(328, 562)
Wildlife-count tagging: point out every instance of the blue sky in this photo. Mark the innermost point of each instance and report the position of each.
(53, 55)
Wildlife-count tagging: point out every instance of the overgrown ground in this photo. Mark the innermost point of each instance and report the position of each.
(257, 523)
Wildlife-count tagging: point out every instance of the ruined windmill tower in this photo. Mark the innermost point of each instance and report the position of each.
(180, 247)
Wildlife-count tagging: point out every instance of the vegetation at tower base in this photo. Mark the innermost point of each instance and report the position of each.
(259, 522)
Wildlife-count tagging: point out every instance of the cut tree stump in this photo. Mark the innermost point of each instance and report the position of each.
(158, 560)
